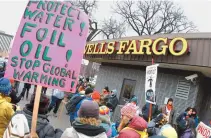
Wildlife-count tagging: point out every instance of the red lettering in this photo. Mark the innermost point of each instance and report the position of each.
(204, 131)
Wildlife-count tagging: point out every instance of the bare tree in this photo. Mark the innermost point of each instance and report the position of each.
(88, 7)
(147, 17)
(111, 28)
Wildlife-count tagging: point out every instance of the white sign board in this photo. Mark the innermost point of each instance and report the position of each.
(166, 100)
(150, 83)
(203, 131)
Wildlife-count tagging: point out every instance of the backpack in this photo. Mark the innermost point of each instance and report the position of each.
(143, 134)
(72, 103)
(112, 102)
(18, 127)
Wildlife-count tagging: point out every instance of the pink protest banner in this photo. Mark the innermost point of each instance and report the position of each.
(48, 47)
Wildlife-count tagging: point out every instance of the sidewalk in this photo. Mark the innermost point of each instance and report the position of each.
(61, 122)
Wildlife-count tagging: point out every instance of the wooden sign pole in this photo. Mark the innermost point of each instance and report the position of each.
(35, 112)
(150, 106)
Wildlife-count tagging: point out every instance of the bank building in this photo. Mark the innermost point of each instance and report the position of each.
(184, 71)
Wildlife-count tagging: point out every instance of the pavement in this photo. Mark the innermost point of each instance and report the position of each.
(61, 121)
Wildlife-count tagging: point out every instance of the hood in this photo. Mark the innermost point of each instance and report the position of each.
(88, 130)
(138, 123)
(105, 126)
(42, 120)
(2, 72)
(114, 92)
(105, 119)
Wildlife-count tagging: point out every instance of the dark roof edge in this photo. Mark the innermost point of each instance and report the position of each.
(6, 34)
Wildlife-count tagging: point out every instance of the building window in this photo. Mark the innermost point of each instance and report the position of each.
(183, 88)
(128, 88)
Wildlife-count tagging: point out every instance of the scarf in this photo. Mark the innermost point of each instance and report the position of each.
(169, 107)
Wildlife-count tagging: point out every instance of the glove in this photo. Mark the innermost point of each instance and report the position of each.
(18, 108)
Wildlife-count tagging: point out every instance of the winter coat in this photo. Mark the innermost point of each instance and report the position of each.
(145, 111)
(135, 125)
(188, 133)
(171, 116)
(84, 131)
(111, 101)
(196, 120)
(74, 115)
(152, 129)
(6, 113)
(44, 129)
(106, 124)
(107, 128)
(181, 121)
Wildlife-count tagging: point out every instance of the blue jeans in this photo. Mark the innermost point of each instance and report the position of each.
(55, 103)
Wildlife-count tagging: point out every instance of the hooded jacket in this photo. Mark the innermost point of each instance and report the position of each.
(189, 132)
(145, 111)
(6, 113)
(111, 100)
(136, 123)
(44, 129)
(84, 131)
(106, 124)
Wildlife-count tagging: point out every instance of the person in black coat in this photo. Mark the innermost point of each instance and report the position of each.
(2, 70)
(26, 89)
(14, 98)
(145, 111)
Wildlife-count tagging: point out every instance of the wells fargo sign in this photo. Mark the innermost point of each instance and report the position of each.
(159, 46)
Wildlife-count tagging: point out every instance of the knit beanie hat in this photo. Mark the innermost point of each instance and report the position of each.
(12, 81)
(88, 109)
(128, 110)
(168, 131)
(5, 86)
(96, 95)
(104, 114)
(134, 99)
(88, 91)
(43, 106)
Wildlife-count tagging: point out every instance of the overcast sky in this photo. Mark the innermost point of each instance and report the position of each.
(198, 11)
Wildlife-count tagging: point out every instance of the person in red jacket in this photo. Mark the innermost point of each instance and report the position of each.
(131, 126)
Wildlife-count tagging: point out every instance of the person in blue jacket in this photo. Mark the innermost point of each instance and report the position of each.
(182, 120)
(88, 93)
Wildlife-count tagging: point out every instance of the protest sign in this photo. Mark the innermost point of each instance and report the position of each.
(203, 131)
(48, 47)
(150, 83)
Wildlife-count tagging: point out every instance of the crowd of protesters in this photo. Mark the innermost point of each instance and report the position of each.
(90, 114)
